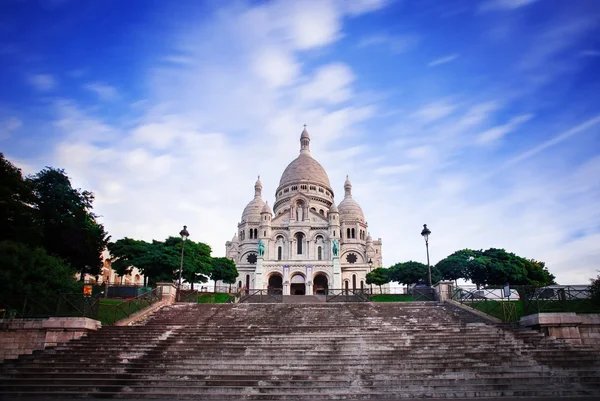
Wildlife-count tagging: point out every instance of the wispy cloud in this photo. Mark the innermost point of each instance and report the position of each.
(504, 5)
(105, 92)
(496, 133)
(43, 82)
(393, 43)
(443, 60)
(8, 125)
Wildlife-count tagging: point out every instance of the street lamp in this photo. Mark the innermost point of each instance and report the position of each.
(425, 233)
(370, 267)
(184, 234)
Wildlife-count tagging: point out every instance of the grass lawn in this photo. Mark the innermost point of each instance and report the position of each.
(392, 298)
(212, 298)
(111, 311)
(500, 310)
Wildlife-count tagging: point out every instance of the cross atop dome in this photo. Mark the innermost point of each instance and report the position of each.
(304, 141)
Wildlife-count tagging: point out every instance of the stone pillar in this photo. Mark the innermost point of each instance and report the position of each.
(258, 274)
(309, 286)
(443, 290)
(169, 292)
(286, 280)
(337, 273)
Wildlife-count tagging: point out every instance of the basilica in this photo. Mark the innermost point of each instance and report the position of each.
(306, 244)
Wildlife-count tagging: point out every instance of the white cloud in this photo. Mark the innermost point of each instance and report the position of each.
(443, 60)
(104, 92)
(276, 67)
(434, 111)
(393, 43)
(43, 82)
(496, 133)
(331, 84)
(504, 5)
(8, 125)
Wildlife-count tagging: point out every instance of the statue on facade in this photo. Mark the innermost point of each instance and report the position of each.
(336, 247)
(261, 248)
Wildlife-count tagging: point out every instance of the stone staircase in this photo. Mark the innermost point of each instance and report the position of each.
(305, 352)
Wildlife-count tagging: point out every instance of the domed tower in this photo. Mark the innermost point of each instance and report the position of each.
(304, 187)
(352, 219)
(334, 222)
(251, 216)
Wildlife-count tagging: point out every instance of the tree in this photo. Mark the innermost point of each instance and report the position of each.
(595, 289)
(378, 276)
(197, 264)
(70, 230)
(455, 266)
(223, 269)
(31, 273)
(125, 254)
(16, 213)
(412, 273)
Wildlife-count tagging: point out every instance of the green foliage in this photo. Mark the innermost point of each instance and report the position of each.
(595, 289)
(69, 228)
(214, 298)
(29, 272)
(412, 273)
(378, 276)
(494, 267)
(392, 298)
(223, 269)
(17, 217)
(160, 261)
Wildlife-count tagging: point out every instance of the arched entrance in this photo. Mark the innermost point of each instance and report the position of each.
(320, 284)
(275, 284)
(298, 286)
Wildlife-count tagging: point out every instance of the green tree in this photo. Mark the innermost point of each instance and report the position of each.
(17, 216)
(125, 254)
(378, 276)
(455, 266)
(70, 230)
(595, 289)
(223, 269)
(29, 272)
(412, 273)
(197, 263)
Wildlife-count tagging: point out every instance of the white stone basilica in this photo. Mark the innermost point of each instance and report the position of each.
(299, 235)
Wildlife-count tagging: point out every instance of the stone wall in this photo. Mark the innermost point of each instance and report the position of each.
(575, 328)
(23, 336)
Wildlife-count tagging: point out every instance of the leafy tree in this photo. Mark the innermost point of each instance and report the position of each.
(595, 289)
(126, 254)
(70, 230)
(455, 266)
(378, 276)
(16, 213)
(412, 273)
(223, 269)
(197, 264)
(29, 272)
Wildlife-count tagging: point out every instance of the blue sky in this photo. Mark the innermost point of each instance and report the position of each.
(480, 118)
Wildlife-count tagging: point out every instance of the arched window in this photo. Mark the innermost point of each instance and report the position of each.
(348, 233)
(319, 253)
(255, 233)
(247, 281)
(264, 233)
(353, 234)
(299, 240)
(354, 282)
(362, 285)
(334, 233)
(240, 284)
(250, 233)
(279, 252)
(322, 212)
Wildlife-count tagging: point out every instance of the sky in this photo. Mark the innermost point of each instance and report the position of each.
(479, 118)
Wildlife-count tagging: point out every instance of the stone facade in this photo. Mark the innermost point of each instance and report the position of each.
(298, 234)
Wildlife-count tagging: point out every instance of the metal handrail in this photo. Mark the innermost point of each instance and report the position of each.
(348, 295)
(262, 296)
(133, 305)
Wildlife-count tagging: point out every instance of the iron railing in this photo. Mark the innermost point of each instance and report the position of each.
(113, 313)
(54, 305)
(260, 296)
(491, 301)
(557, 299)
(348, 295)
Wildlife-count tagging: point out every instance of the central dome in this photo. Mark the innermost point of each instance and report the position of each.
(304, 167)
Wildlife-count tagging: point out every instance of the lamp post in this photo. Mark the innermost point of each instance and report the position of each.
(184, 234)
(370, 267)
(425, 233)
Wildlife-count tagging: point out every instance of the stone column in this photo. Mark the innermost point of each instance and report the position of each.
(286, 280)
(309, 287)
(337, 273)
(169, 292)
(443, 290)
(258, 274)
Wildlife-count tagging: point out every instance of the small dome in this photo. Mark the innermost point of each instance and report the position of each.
(369, 238)
(349, 207)
(266, 209)
(253, 209)
(235, 238)
(333, 208)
